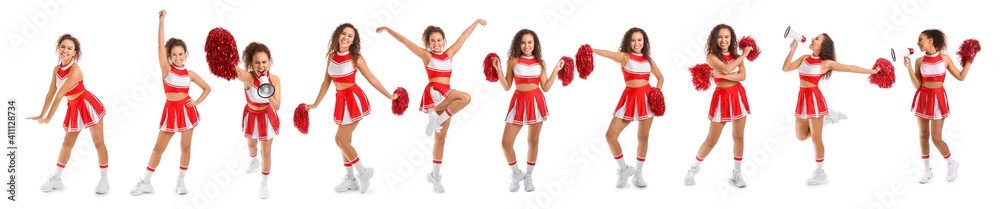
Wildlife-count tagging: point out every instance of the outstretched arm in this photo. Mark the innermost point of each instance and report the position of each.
(363, 68)
(836, 66)
(74, 77)
(161, 48)
(417, 50)
(461, 39)
(48, 97)
(619, 57)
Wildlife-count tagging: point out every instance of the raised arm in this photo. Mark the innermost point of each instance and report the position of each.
(416, 49)
(619, 57)
(959, 74)
(548, 80)
(461, 39)
(836, 66)
(48, 96)
(245, 76)
(204, 87)
(322, 87)
(161, 48)
(656, 73)
(724, 67)
(790, 65)
(914, 74)
(363, 68)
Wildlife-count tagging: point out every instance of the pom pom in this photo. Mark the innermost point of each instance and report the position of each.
(585, 61)
(566, 73)
(886, 76)
(967, 51)
(656, 102)
(401, 102)
(221, 53)
(301, 118)
(701, 74)
(488, 69)
(748, 41)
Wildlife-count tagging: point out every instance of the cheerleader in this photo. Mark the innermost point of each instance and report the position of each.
(930, 103)
(811, 107)
(260, 122)
(525, 71)
(180, 113)
(439, 101)
(344, 60)
(633, 56)
(729, 102)
(83, 111)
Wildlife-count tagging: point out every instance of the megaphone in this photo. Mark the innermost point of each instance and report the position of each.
(266, 90)
(789, 33)
(902, 52)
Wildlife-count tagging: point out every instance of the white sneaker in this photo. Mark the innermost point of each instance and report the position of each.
(52, 184)
(102, 186)
(818, 177)
(364, 177)
(529, 185)
(141, 188)
(432, 124)
(737, 179)
(623, 176)
(515, 179)
(689, 179)
(181, 188)
(254, 166)
(349, 183)
(928, 175)
(436, 181)
(263, 191)
(637, 180)
(833, 117)
(953, 171)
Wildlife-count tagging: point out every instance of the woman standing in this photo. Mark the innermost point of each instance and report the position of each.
(260, 122)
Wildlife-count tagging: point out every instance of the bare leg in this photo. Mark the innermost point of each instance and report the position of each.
(534, 130)
(438, 150)
(936, 126)
(925, 136)
(97, 135)
(161, 144)
(802, 131)
(67, 147)
(455, 102)
(614, 129)
(816, 126)
(714, 132)
(507, 143)
(186, 147)
(343, 140)
(738, 127)
(643, 145)
(252, 146)
(265, 152)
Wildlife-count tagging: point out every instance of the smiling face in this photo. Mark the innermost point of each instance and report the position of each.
(177, 55)
(346, 38)
(816, 44)
(636, 42)
(527, 44)
(724, 39)
(436, 42)
(261, 63)
(925, 43)
(67, 50)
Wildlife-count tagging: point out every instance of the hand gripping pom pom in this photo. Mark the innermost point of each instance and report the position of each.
(886, 76)
(488, 69)
(656, 102)
(968, 50)
(401, 102)
(301, 118)
(566, 73)
(748, 41)
(585, 61)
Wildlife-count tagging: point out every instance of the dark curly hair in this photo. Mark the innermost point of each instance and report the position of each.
(427, 36)
(712, 46)
(940, 40)
(354, 49)
(515, 50)
(175, 42)
(76, 45)
(827, 52)
(254, 48)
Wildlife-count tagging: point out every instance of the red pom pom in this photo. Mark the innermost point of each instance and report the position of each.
(402, 100)
(585, 61)
(656, 102)
(301, 118)
(566, 73)
(748, 41)
(221, 53)
(701, 74)
(967, 51)
(488, 69)
(886, 76)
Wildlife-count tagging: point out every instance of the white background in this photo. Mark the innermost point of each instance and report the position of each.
(872, 158)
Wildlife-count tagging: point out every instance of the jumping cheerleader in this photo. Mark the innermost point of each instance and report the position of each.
(930, 103)
(526, 71)
(83, 111)
(180, 114)
(260, 122)
(810, 107)
(343, 62)
(633, 56)
(729, 102)
(439, 101)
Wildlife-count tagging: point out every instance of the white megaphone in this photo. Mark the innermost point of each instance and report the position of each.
(789, 33)
(901, 52)
(266, 90)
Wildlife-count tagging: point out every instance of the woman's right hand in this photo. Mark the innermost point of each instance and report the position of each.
(794, 45)
(496, 65)
(906, 62)
(312, 106)
(163, 13)
(380, 29)
(35, 118)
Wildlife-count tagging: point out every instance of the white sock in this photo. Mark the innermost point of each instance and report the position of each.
(357, 165)
(149, 174)
(59, 169)
(639, 161)
(350, 170)
(621, 162)
(531, 167)
(697, 161)
(819, 165)
(950, 160)
(436, 170)
(263, 177)
(737, 162)
(927, 161)
(443, 117)
(513, 167)
(104, 171)
(182, 172)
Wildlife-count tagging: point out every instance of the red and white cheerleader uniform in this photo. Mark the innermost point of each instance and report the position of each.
(928, 103)
(259, 124)
(177, 115)
(435, 93)
(634, 104)
(82, 112)
(527, 107)
(730, 103)
(811, 103)
(352, 104)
